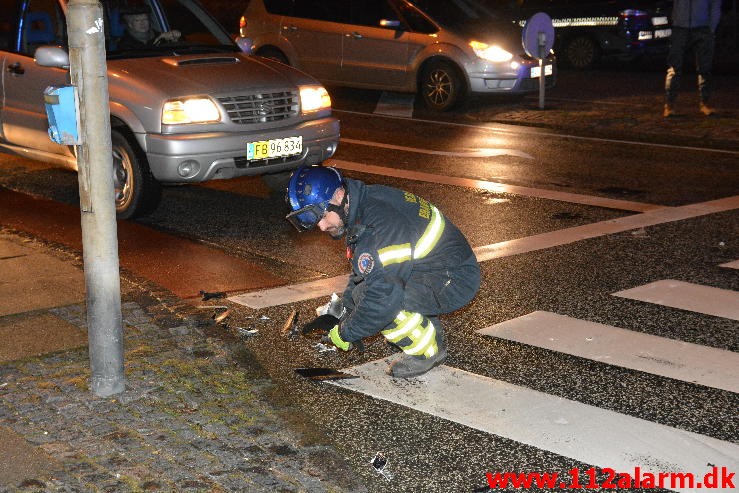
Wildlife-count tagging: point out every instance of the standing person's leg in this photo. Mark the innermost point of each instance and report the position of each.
(703, 46)
(678, 44)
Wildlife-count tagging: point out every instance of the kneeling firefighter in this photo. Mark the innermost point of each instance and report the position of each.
(409, 264)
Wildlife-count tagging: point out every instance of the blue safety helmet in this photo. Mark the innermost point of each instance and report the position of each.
(308, 194)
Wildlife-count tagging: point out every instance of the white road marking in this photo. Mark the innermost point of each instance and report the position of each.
(496, 187)
(395, 104)
(292, 293)
(686, 296)
(482, 152)
(670, 358)
(585, 433)
(284, 295)
(512, 128)
(731, 265)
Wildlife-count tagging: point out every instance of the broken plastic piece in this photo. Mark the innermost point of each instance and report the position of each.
(322, 348)
(378, 463)
(323, 374)
(212, 296)
(247, 332)
(291, 329)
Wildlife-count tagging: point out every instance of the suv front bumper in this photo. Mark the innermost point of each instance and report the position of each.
(212, 155)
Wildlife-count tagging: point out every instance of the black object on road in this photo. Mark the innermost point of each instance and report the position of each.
(318, 373)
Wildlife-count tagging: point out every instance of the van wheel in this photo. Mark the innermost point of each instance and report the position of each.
(441, 86)
(136, 190)
(273, 54)
(581, 52)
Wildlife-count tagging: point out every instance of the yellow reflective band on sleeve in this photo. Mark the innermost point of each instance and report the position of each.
(431, 236)
(404, 326)
(394, 254)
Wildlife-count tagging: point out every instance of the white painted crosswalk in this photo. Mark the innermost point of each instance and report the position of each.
(585, 433)
(686, 296)
(582, 432)
(670, 358)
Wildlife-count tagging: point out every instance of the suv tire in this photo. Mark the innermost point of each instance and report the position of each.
(441, 86)
(136, 190)
(581, 52)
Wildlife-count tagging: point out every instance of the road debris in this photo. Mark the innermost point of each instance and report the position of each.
(291, 329)
(318, 373)
(244, 332)
(378, 463)
(219, 317)
(212, 296)
(322, 348)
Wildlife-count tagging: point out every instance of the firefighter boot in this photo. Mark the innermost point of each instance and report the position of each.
(669, 110)
(706, 110)
(410, 365)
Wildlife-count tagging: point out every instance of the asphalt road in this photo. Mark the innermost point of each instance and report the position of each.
(538, 187)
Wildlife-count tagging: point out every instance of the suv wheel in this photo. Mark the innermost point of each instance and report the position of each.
(136, 190)
(581, 52)
(442, 87)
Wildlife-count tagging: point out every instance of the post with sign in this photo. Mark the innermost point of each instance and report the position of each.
(95, 162)
(537, 37)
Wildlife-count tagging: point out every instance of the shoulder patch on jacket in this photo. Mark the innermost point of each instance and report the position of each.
(365, 263)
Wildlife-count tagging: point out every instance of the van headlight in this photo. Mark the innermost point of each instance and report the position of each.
(314, 98)
(491, 53)
(190, 110)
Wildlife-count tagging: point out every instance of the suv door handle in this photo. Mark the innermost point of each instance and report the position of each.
(291, 27)
(16, 69)
(354, 35)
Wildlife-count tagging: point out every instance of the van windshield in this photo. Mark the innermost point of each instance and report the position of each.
(136, 28)
(456, 12)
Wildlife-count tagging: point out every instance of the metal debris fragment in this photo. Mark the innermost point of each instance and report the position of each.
(247, 332)
(264, 317)
(322, 348)
(291, 329)
(212, 296)
(379, 462)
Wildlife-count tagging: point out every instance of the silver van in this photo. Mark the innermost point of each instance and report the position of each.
(442, 49)
(187, 105)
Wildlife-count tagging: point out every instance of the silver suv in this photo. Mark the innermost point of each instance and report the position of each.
(443, 49)
(187, 105)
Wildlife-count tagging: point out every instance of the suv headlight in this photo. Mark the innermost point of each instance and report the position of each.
(314, 98)
(492, 53)
(190, 110)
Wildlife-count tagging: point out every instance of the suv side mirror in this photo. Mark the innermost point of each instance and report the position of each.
(51, 56)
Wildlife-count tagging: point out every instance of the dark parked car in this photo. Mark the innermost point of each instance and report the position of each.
(588, 30)
(186, 107)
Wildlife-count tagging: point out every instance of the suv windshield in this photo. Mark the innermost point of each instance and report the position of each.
(150, 28)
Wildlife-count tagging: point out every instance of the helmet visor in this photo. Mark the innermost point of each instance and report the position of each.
(306, 218)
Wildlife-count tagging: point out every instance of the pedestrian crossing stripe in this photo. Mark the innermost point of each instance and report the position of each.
(686, 296)
(731, 265)
(669, 358)
(585, 433)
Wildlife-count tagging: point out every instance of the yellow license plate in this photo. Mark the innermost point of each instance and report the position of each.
(268, 149)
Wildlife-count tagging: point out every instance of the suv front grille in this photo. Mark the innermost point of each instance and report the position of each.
(261, 108)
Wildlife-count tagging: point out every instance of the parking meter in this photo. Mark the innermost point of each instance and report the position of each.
(62, 110)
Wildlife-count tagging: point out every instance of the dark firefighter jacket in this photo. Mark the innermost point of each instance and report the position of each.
(391, 233)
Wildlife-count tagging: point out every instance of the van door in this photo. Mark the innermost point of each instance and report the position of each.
(314, 31)
(8, 27)
(374, 54)
(24, 117)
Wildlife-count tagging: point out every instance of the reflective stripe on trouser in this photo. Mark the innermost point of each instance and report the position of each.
(414, 333)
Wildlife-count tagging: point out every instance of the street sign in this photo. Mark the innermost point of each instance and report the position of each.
(537, 38)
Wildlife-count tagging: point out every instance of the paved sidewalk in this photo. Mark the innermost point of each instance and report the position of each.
(193, 417)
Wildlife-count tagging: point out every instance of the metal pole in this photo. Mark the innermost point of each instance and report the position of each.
(542, 41)
(94, 160)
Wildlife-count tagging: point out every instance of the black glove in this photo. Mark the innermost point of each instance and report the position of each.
(322, 324)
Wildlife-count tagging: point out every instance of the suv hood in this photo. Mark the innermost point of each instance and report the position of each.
(214, 74)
